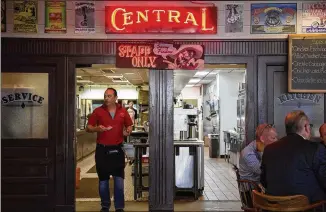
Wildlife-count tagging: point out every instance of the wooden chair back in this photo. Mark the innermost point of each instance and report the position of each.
(283, 203)
(245, 188)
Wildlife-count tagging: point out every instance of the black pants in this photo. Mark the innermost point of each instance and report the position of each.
(110, 160)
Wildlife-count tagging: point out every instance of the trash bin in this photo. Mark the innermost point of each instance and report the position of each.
(214, 145)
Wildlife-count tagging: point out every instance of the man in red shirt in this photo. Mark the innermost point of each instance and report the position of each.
(111, 122)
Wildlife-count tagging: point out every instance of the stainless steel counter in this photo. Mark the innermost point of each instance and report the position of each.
(189, 166)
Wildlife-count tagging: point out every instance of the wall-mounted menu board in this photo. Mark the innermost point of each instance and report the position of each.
(307, 63)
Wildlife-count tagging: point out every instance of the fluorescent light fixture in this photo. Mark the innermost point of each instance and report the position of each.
(120, 81)
(201, 73)
(189, 85)
(129, 73)
(194, 80)
(84, 81)
(113, 75)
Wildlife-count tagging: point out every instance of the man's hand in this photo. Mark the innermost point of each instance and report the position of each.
(99, 128)
(127, 131)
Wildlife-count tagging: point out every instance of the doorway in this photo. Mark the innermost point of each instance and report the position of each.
(207, 110)
(132, 88)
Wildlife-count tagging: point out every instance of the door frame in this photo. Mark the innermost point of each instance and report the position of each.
(161, 143)
(56, 134)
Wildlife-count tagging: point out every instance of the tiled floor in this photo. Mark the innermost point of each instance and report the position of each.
(220, 180)
(220, 184)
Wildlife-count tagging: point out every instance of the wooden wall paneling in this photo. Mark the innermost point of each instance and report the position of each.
(161, 148)
(263, 63)
(247, 52)
(29, 46)
(28, 165)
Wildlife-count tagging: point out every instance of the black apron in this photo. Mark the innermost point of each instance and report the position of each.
(110, 160)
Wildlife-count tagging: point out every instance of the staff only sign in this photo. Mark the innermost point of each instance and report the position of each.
(160, 56)
(161, 19)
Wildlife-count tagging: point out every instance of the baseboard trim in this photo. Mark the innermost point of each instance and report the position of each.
(64, 208)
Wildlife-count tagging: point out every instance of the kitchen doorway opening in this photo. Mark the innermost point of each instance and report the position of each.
(209, 131)
(133, 93)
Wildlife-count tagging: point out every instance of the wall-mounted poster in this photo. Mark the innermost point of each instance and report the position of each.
(55, 17)
(3, 15)
(273, 18)
(85, 17)
(233, 18)
(160, 56)
(25, 16)
(314, 17)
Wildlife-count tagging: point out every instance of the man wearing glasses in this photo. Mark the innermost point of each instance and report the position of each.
(294, 165)
(250, 156)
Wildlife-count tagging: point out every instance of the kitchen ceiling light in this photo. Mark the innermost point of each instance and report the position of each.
(194, 80)
(189, 85)
(113, 75)
(201, 73)
(84, 81)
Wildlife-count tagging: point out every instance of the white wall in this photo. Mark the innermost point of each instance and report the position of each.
(190, 93)
(100, 22)
(98, 93)
(228, 94)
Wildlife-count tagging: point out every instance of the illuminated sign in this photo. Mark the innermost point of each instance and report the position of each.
(187, 20)
(160, 56)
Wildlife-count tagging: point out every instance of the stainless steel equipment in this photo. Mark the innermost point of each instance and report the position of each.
(241, 111)
(189, 166)
(183, 135)
(192, 126)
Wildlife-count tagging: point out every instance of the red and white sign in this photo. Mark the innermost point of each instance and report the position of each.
(178, 20)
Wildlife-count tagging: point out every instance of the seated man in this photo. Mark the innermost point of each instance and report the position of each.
(250, 156)
(294, 165)
(322, 132)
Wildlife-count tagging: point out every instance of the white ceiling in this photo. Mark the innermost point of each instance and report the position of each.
(104, 74)
(207, 76)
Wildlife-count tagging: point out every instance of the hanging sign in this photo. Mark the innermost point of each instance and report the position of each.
(160, 56)
(181, 20)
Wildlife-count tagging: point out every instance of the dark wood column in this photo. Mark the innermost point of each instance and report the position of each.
(161, 152)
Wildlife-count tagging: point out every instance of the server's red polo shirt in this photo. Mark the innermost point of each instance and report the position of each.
(101, 116)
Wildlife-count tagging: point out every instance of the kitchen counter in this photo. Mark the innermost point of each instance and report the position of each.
(85, 144)
(189, 166)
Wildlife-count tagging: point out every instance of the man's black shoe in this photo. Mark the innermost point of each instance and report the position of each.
(119, 210)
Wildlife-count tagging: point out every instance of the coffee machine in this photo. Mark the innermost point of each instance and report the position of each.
(192, 126)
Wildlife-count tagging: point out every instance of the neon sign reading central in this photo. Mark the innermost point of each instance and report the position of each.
(200, 20)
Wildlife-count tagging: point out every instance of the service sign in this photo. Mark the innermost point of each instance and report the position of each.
(160, 56)
(177, 20)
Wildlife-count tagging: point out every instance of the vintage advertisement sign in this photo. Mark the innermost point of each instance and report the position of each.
(160, 19)
(314, 17)
(25, 16)
(233, 18)
(273, 18)
(160, 56)
(3, 16)
(84, 17)
(55, 17)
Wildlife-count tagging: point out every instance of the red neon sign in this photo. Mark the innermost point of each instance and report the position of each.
(181, 20)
